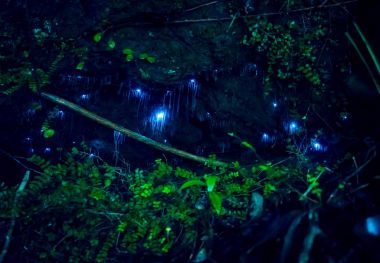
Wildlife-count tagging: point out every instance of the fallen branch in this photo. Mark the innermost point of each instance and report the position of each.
(131, 134)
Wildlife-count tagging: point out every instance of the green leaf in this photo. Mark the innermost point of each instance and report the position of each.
(248, 145)
(216, 201)
(111, 44)
(107, 182)
(97, 37)
(143, 55)
(192, 183)
(80, 65)
(49, 133)
(127, 51)
(210, 182)
(151, 59)
(129, 57)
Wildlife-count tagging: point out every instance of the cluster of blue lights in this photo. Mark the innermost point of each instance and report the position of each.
(344, 116)
(138, 94)
(292, 127)
(158, 120)
(58, 114)
(193, 84)
(317, 146)
(372, 225)
(84, 97)
(47, 150)
(267, 138)
(77, 79)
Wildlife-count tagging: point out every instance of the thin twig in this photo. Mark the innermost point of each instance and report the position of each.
(200, 6)
(368, 46)
(355, 173)
(377, 85)
(17, 161)
(8, 237)
(226, 19)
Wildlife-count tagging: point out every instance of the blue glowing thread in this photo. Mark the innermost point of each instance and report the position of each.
(265, 138)
(28, 140)
(139, 94)
(193, 86)
(47, 150)
(373, 225)
(250, 68)
(293, 127)
(30, 151)
(168, 101)
(317, 146)
(160, 116)
(158, 120)
(60, 114)
(84, 97)
(118, 139)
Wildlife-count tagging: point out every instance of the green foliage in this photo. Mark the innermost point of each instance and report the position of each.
(97, 37)
(290, 52)
(147, 57)
(129, 54)
(25, 75)
(105, 210)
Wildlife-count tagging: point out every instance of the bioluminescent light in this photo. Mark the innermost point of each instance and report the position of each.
(372, 225)
(250, 69)
(59, 114)
(138, 94)
(265, 138)
(28, 140)
(223, 146)
(168, 100)
(84, 97)
(292, 127)
(193, 84)
(118, 139)
(316, 146)
(160, 116)
(158, 119)
(30, 151)
(47, 150)
(344, 116)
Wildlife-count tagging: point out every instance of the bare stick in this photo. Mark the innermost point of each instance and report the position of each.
(368, 46)
(8, 237)
(131, 134)
(377, 85)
